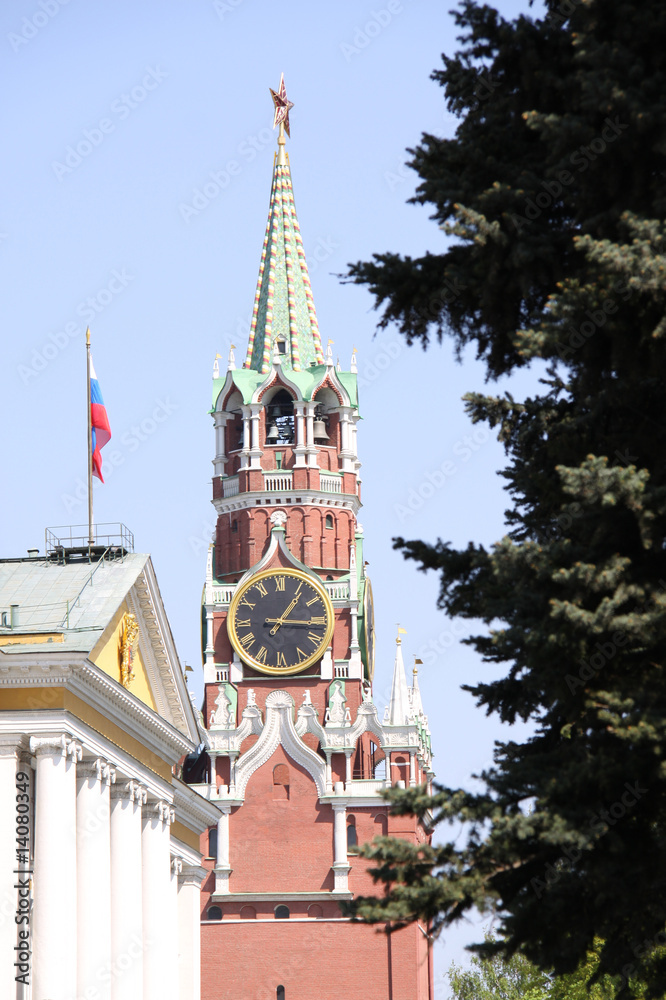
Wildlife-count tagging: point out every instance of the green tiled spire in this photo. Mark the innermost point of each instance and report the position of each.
(283, 304)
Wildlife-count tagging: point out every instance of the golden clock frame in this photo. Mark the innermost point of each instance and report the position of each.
(317, 585)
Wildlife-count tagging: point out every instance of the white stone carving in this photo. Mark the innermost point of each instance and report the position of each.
(223, 716)
(278, 518)
(279, 729)
(336, 713)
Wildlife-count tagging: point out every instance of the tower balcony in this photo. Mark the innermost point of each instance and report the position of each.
(280, 481)
(222, 593)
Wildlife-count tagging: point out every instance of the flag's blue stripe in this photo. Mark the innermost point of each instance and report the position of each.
(95, 392)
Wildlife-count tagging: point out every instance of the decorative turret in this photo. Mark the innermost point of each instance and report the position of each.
(399, 708)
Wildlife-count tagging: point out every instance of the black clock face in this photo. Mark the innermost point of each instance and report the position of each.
(280, 621)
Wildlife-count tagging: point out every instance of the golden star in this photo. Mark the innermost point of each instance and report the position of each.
(282, 106)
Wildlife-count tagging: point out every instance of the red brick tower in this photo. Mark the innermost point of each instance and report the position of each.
(298, 753)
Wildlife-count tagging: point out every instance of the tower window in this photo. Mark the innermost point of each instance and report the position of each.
(214, 913)
(279, 993)
(280, 781)
(352, 837)
(234, 526)
(282, 912)
(248, 913)
(282, 347)
(280, 419)
(329, 520)
(212, 844)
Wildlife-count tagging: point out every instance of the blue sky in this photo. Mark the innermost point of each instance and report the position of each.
(136, 178)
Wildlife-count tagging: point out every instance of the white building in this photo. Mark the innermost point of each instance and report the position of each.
(100, 869)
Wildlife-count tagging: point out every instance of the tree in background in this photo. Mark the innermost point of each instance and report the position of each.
(553, 192)
(516, 978)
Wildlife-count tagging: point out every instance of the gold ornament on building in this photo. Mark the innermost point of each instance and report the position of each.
(129, 635)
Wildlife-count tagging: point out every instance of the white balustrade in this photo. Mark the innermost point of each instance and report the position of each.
(277, 482)
(330, 484)
(230, 486)
(337, 591)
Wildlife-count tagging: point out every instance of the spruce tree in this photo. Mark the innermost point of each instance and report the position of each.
(553, 195)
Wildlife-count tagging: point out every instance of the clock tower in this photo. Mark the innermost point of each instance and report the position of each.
(298, 753)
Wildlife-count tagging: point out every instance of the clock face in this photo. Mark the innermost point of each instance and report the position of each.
(280, 621)
(369, 614)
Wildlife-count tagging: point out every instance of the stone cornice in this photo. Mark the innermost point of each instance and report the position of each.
(192, 809)
(317, 895)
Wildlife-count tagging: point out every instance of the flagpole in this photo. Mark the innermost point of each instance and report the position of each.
(90, 462)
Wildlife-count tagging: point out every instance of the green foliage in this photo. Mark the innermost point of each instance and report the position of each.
(553, 196)
(516, 978)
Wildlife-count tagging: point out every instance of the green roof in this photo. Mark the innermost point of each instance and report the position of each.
(283, 304)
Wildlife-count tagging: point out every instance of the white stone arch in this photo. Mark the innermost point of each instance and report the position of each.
(279, 730)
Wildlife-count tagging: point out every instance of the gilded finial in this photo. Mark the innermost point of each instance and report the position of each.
(88, 337)
(401, 631)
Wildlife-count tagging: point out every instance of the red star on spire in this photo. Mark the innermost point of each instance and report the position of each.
(282, 105)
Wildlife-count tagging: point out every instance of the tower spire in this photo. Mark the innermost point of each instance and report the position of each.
(284, 313)
(398, 711)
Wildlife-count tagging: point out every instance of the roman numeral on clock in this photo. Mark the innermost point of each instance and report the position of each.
(245, 623)
(313, 601)
(318, 620)
(261, 655)
(262, 590)
(279, 583)
(281, 662)
(314, 638)
(247, 603)
(247, 640)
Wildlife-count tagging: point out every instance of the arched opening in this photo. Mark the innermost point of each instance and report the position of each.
(280, 781)
(234, 526)
(381, 825)
(282, 912)
(214, 913)
(352, 836)
(279, 993)
(329, 521)
(280, 419)
(248, 913)
(212, 842)
(315, 911)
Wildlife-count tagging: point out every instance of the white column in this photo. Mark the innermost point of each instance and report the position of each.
(10, 863)
(127, 798)
(346, 452)
(309, 435)
(189, 932)
(348, 765)
(93, 878)
(255, 451)
(232, 774)
(54, 916)
(210, 645)
(412, 770)
(300, 449)
(340, 865)
(245, 453)
(171, 930)
(156, 881)
(329, 776)
(222, 866)
(220, 460)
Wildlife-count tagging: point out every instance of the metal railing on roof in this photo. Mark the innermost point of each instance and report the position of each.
(71, 542)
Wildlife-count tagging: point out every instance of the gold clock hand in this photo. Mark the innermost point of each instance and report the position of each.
(279, 621)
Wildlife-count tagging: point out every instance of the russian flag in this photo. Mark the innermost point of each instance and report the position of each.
(101, 432)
